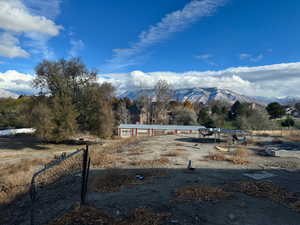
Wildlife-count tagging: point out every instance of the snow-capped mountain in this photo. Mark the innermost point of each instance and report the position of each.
(203, 95)
(282, 100)
(7, 94)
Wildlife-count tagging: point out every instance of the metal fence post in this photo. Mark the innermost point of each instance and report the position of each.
(84, 175)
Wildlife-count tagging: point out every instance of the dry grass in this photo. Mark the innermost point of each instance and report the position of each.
(107, 155)
(220, 156)
(173, 154)
(152, 163)
(137, 150)
(114, 180)
(293, 138)
(92, 216)
(237, 160)
(253, 141)
(281, 133)
(103, 159)
(144, 216)
(217, 156)
(264, 189)
(202, 193)
(241, 152)
(15, 178)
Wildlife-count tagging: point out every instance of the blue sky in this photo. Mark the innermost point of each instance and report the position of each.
(250, 46)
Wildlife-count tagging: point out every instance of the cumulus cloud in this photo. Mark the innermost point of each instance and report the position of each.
(18, 20)
(15, 81)
(10, 48)
(14, 16)
(171, 23)
(269, 81)
(76, 46)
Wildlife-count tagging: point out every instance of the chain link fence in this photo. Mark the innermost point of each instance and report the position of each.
(58, 186)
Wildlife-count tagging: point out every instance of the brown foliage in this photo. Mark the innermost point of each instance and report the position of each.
(92, 216)
(264, 189)
(241, 152)
(220, 156)
(202, 193)
(15, 178)
(151, 162)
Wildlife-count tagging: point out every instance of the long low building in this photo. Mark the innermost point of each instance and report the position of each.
(127, 130)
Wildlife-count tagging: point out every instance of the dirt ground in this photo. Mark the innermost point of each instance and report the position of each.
(153, 174)
(159, 194)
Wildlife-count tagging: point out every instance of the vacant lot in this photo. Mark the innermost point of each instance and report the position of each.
(146, 182)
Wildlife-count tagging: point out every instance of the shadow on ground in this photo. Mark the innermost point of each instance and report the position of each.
(117, 192)
(20, 142)
(200, 140)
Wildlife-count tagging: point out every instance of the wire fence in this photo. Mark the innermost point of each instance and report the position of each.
(58, 186)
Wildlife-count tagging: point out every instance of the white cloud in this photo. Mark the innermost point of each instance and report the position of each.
(15, 81)
(257, 58)
(251, 57)
(14, 16)
(37, 43)
(245, 56)
(205, 56)
(270, 80)
(19, 20)
(9, 47)
(49, 8)
(76, 46)
(171, 23)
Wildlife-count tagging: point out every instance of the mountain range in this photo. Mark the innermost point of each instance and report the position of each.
(8, 94)
(204, 95)
(196, 95)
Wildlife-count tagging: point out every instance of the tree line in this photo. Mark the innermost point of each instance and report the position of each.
(70, 100)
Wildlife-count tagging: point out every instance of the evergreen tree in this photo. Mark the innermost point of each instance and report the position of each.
(275, 110)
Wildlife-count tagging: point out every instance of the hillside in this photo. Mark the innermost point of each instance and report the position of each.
(7, 94)
(204, 95)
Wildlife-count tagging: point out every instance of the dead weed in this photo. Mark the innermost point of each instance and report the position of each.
(220, 156)
(152, 163)
(202, 193)
(93, 216)
(114, 180)
(265, 189)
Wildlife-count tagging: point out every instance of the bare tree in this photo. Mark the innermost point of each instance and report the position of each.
(122, 112)
(145, 103)
(163, 95)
